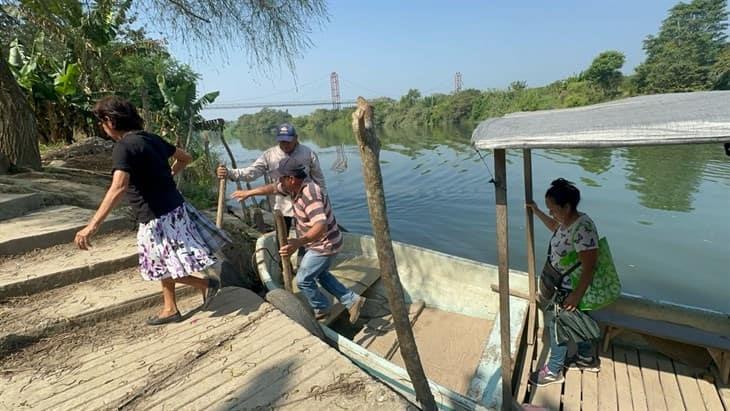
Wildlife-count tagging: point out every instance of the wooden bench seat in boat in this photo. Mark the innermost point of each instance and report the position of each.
(717, 345)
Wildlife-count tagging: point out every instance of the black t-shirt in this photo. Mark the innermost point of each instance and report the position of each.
(152, 192)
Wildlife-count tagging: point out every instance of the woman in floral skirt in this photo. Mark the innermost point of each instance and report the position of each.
(174, 239)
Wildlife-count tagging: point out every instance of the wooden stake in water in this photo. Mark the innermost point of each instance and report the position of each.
(364, 128)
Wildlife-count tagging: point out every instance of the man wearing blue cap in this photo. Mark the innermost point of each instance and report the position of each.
(268, 163)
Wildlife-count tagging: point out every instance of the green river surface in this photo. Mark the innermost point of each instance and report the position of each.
(665, 210)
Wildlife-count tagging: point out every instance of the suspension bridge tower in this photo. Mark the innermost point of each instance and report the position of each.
(335, 87)
(457, 82)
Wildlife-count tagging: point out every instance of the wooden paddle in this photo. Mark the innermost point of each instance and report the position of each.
(221, 202)
(283, 236)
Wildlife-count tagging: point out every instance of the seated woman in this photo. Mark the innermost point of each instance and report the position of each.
(573, 248)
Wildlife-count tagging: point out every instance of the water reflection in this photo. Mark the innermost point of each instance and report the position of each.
(594, 161)
(408, 142)
(667, 178)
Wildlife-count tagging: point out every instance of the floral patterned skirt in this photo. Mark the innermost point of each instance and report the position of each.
(171, 246)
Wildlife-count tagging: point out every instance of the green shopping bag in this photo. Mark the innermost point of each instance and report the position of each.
(605, 286)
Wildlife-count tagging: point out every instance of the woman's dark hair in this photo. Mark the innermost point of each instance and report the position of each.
(120, 112)
(564, 192)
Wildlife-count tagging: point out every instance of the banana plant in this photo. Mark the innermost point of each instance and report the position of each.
(182, 109)
(52, 87)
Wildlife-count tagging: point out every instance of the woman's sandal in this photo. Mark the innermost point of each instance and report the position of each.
(156, 320)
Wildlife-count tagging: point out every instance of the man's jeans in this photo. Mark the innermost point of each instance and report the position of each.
(314, 268)
(556, 361)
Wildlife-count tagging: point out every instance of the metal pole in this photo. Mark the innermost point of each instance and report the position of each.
(500, 174)
(530, 231)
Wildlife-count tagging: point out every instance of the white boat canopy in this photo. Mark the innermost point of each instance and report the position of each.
(679, 118)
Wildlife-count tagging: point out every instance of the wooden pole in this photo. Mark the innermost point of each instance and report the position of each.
(500, 173)
(283, 237)
(530, 231)
(246, 216)
(364, 128)
(221, 202)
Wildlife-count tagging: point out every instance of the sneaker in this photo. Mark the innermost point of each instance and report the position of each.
(578, 362)
(355, 309)
(544, 377)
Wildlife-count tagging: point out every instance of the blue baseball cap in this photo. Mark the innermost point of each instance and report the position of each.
(285, 132)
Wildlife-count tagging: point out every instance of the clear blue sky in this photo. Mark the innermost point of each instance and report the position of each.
(384, 48)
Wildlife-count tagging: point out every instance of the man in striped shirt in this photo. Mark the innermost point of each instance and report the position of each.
(317, 230)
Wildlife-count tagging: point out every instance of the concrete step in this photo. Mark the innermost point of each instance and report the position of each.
(239, 354)
(64, 264)
(50, 226)
(24, 320)
(15, 205)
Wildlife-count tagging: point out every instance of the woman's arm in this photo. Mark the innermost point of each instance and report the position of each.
(120, 182)
(182, 159)
(588, 260)
(549, 222)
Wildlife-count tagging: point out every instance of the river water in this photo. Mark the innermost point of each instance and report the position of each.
(664, 210)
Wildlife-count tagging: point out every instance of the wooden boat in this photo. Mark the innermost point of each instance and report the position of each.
(459, 306)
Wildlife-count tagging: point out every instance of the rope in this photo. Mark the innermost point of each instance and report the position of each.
(491, 180)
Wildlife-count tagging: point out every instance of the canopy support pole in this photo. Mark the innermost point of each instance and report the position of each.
(500, 173)
(530, 231)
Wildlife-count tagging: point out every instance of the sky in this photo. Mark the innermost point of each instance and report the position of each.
(384, 48)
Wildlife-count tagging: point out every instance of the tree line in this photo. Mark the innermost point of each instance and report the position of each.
(689, 53)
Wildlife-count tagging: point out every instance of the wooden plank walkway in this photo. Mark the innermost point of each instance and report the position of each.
(241, 354)
(632, 379)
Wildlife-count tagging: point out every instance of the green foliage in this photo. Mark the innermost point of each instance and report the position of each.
(720, 72)
(53, 87)
(181, 109)
(689, 43)
(605, 71)
(581, 93)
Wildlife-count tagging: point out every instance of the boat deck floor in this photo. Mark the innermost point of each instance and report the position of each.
(241, 353)
(450, 345)
(631, 379)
